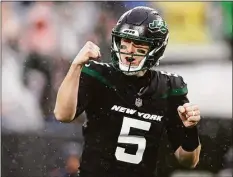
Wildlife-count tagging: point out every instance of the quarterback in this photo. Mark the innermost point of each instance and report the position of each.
(127, 103)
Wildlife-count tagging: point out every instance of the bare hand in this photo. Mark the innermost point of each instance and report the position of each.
(89, 51)
(189, 114)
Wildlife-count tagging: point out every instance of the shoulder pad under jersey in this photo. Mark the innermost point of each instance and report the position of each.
(175, 83)
(97, 70)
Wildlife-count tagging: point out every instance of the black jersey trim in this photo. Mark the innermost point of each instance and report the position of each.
(176, 92)
(96, 75)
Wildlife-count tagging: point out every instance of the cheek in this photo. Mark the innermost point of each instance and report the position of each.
(124, 51)
(138, 58)
(122, 56)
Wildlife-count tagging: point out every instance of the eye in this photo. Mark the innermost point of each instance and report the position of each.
(141, 51)
(123, 47)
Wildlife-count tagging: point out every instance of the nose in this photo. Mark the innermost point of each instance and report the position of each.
(130, 47)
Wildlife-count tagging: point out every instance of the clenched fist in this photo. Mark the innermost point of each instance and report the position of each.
(189, 114)
(89, 51)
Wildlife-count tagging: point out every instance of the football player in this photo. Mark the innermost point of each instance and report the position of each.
(128, 104)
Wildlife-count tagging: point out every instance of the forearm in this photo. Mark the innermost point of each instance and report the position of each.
(188, 159)
(67, 95)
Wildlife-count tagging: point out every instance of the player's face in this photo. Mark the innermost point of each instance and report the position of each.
(131, 47)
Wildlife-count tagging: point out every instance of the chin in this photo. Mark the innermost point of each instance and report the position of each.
(132, 65)
(135, 73)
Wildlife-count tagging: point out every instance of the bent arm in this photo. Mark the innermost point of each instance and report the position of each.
(67, 96)
(185, 141)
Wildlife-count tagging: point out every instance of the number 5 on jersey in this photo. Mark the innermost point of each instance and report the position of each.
(131, 139)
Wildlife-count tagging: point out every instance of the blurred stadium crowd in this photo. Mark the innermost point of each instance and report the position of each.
(40, 39)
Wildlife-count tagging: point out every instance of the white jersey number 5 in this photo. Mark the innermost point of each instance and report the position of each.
(131, 139)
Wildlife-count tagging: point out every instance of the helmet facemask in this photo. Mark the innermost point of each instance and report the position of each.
(148, 61)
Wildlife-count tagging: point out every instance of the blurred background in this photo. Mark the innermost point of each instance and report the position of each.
(39, 41)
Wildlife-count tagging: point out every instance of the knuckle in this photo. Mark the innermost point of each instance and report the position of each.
(89, 43)
(187, 104)
(180, 109)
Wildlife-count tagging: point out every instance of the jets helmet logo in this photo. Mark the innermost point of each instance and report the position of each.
(160, 25)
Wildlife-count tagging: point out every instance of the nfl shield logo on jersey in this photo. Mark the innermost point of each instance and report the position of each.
(138, 102)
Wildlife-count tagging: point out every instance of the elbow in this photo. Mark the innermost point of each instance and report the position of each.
(63, 117)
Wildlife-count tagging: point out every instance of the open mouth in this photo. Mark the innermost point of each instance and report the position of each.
(127, 64)
(129, 61)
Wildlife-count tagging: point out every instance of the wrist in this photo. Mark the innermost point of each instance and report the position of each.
(76, 65)
(75, 70)
(80, 60)
(190, 139)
